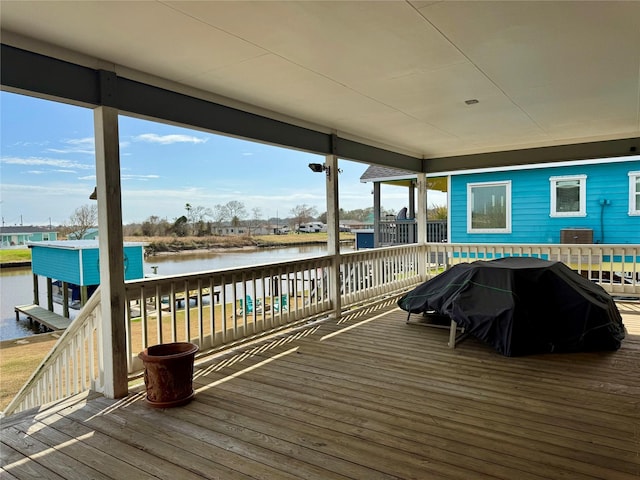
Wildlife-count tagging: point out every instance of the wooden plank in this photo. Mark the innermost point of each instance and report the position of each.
(52, 459)
(50, 319)
(14, 464)
(76, 447)
(367, 396)
(138, 458)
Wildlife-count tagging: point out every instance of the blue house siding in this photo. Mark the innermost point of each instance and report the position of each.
(134, 262)
(91, 266)
(531, 205)
(77, 261)
(56, 263)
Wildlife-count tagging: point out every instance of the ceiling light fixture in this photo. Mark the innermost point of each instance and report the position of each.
(472, 101)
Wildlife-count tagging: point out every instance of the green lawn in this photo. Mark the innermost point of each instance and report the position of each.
(15, 255)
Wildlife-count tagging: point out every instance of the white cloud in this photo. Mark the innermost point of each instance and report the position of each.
(168, 139)
(139, 177)
(77, 145)
(49, 162)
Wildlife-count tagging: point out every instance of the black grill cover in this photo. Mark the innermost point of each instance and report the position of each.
(522, 306)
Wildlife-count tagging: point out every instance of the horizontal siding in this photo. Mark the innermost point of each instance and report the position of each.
(531, 203)
(59, 264)
(135, 261)
(91, 266)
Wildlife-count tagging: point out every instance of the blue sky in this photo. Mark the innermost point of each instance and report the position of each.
(47, 169)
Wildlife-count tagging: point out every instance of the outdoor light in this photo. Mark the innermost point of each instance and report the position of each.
(321, 167)
(317, 167)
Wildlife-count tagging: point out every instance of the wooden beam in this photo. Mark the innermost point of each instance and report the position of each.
(530, 156)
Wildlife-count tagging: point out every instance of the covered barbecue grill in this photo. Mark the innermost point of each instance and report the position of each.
(522, 305)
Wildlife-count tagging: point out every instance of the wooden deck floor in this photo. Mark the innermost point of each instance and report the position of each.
(369, 398)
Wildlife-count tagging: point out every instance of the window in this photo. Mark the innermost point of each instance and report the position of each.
(489, 207)
(568, 196)
(634, 193)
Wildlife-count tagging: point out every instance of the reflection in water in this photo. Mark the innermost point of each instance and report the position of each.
(204, 261)
(16, 284)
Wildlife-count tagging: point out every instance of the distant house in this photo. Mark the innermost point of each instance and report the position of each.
(15, 236)
(228, 229)
(585, 202)
(89, 234)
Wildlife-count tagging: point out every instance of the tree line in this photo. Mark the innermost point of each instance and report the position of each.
(203, 221)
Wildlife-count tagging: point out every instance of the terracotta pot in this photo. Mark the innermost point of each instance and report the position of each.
(168, 373)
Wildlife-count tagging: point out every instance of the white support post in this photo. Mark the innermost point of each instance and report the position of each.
(333, 232)
(111, 251)
(421, 217)
(412, 235)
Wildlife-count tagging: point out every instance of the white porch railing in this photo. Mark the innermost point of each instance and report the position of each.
(616, 268)
(73, 365)
(218, 308)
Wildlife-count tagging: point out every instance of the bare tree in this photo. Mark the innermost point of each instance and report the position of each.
(220, 214)
(235, 209)
(255, 221)
(303, 213)
(81, 220)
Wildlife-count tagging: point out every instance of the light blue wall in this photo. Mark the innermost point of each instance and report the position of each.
(134, 268)
(64, 264)
(91, 266)
(531, 204)
(56, 263)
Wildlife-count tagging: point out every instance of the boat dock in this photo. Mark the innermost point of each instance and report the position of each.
(42, 316)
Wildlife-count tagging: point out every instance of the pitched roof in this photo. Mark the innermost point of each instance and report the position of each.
(378, 173)
(25, 229)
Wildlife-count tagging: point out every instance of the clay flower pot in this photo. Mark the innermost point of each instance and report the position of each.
(168, 373)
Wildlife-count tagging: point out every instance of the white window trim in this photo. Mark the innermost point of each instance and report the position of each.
(633, 193)
(583, 196)
(507, 229)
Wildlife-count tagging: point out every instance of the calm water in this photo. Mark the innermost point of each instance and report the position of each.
(16, 285)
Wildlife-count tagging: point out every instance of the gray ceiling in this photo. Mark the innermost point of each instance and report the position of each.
(391, 74)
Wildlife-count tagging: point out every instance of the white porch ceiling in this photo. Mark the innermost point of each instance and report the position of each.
(393, 74)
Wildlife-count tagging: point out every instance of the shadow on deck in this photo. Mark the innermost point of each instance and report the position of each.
(368, 398)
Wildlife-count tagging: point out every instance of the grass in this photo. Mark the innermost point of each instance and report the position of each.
(13, 255)
(18, 361)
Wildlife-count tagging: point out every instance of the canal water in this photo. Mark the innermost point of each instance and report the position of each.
(16, 284)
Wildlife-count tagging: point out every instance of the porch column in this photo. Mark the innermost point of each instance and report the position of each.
(412, 200)
(333, 233)
(412, 213)
(376, 214)
(421, 218)
(112, 294)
